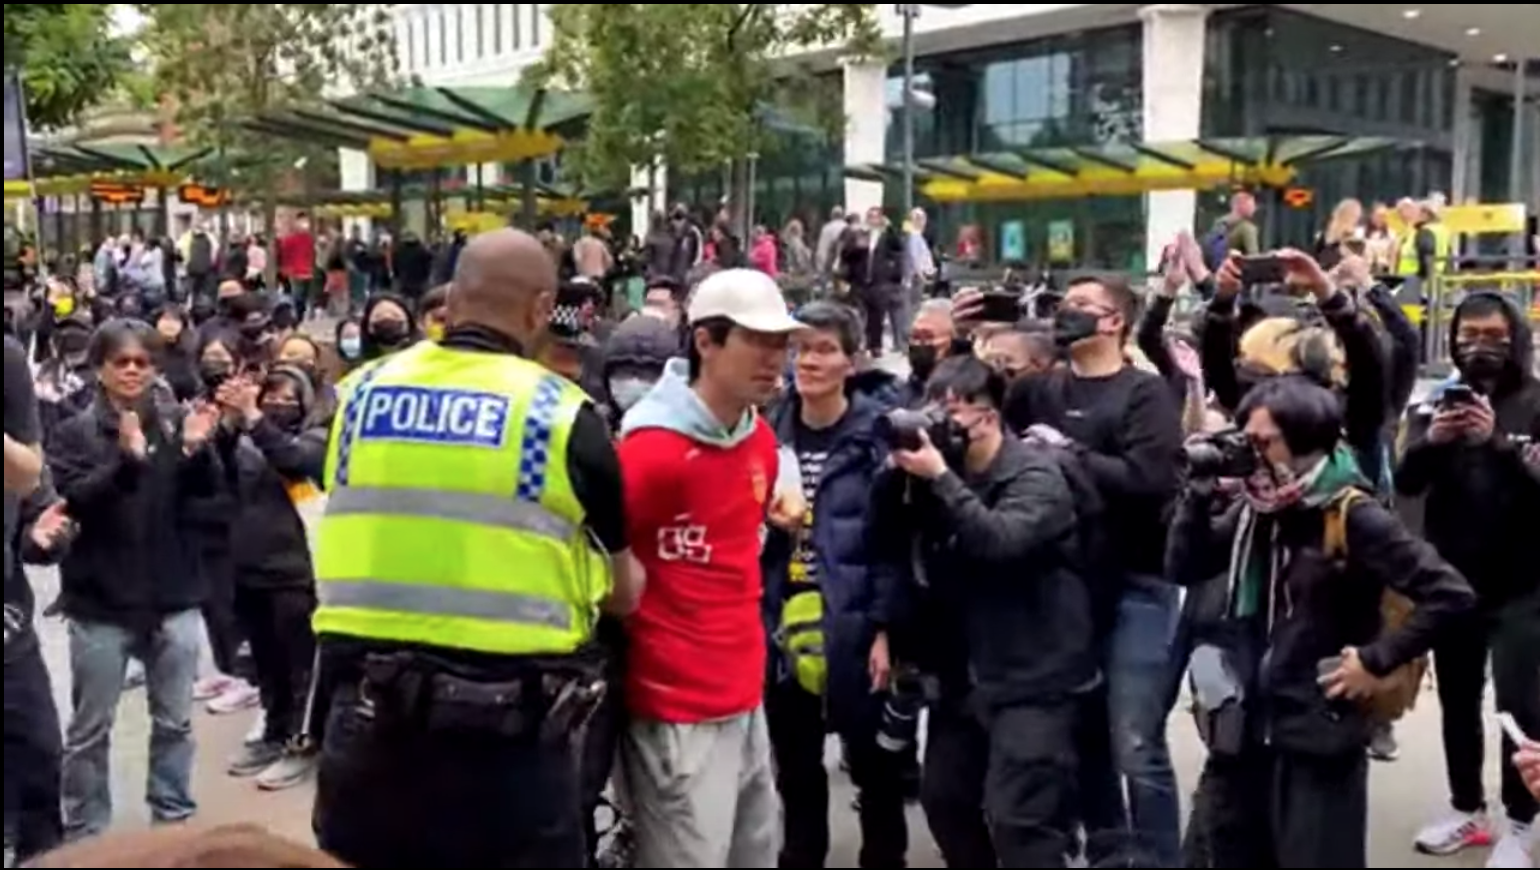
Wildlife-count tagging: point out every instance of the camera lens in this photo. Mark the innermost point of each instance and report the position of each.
(900, 722)
(900, 429)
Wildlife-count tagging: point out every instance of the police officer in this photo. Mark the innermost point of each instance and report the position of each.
(472, 535)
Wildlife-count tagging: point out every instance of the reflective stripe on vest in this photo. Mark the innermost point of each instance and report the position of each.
(452, 521)
(506, 607)
(468, 507)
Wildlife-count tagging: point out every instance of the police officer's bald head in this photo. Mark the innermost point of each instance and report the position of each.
(506, 281)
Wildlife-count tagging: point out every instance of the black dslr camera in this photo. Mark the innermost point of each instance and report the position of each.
(1222, 454)
(900, 429)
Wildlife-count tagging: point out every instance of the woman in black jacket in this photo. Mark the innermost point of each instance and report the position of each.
(1293, 660)
(177, 364)
(273, 451)
(131, 471)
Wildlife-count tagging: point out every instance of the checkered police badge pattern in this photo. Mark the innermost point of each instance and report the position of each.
(357, 402)
(567, 319)
(535, 450)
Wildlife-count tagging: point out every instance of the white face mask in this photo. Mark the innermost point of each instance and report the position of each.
(626, 392)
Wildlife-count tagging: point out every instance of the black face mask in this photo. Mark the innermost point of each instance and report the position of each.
(1483, 360)
(922, 361)
(389, 334)
(1071, 326)
(285, 417)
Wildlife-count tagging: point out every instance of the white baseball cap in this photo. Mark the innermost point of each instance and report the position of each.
(748, 297)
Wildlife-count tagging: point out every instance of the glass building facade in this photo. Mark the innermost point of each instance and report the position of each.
(1267, 71)
(1076, 89)
(1272, 71)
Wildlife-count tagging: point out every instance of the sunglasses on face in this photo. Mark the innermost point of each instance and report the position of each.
(131, 362)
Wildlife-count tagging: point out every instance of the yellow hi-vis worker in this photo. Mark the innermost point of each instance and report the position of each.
(451, 521)
(1409, 255)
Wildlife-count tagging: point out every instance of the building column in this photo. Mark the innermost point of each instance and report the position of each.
(1175, 37)
(641, 208)
(1465, 159)
(866, 129)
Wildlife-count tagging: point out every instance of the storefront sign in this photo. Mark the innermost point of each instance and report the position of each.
(114, 193)
(202, 196)
(1013, 241)
(1061, 241)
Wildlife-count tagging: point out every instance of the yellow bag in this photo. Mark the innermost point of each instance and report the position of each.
(1398, 691)
(801, 639)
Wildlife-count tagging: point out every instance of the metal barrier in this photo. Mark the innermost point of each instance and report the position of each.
(1431, 303)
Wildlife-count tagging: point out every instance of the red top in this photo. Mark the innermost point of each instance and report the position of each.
(695, 513)
(296, 254)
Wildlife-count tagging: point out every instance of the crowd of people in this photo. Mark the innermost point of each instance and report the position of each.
(571, 561)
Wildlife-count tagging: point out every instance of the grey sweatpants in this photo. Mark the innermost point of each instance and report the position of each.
(703, 795)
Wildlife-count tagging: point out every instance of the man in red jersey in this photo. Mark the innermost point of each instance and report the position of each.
(699, 466)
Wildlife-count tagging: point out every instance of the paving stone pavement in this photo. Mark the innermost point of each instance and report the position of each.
(1403, 793)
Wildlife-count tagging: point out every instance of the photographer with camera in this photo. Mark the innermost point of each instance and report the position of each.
(1296, 659)
(994, 519)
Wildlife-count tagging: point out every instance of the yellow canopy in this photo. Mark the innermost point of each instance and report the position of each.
(1120, 169)
(436, 127)
(65, 185)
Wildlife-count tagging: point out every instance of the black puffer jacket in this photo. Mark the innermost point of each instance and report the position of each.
(135, 560)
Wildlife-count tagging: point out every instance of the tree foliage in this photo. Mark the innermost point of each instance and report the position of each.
(686, 83)
(67, 55)
(223, 63)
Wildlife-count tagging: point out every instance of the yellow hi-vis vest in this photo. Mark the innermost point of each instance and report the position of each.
(451, 520)
(1406, 257)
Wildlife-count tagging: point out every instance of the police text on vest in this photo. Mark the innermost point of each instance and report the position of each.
(462, 417)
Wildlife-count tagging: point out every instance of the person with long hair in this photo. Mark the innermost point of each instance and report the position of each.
(1344, 228)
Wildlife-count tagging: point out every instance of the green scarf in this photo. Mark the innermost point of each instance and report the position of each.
(1256, 560)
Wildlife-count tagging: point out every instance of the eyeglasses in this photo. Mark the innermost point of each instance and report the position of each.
(132, 362)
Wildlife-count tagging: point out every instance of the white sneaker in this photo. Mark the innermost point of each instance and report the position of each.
(240, 696)
(289, 771)
(1516, 848)
(258, 729)
(1454, 832)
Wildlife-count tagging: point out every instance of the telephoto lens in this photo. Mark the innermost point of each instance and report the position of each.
(901, 714)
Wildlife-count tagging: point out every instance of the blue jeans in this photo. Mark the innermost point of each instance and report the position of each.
(99, 655)
(1138, 656)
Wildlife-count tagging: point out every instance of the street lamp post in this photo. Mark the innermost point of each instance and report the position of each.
(1516, 146)
(909, 12)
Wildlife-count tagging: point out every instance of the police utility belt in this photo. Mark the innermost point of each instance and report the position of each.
(413, 692)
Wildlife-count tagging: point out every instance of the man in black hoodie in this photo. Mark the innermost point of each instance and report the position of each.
(1472, 451)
